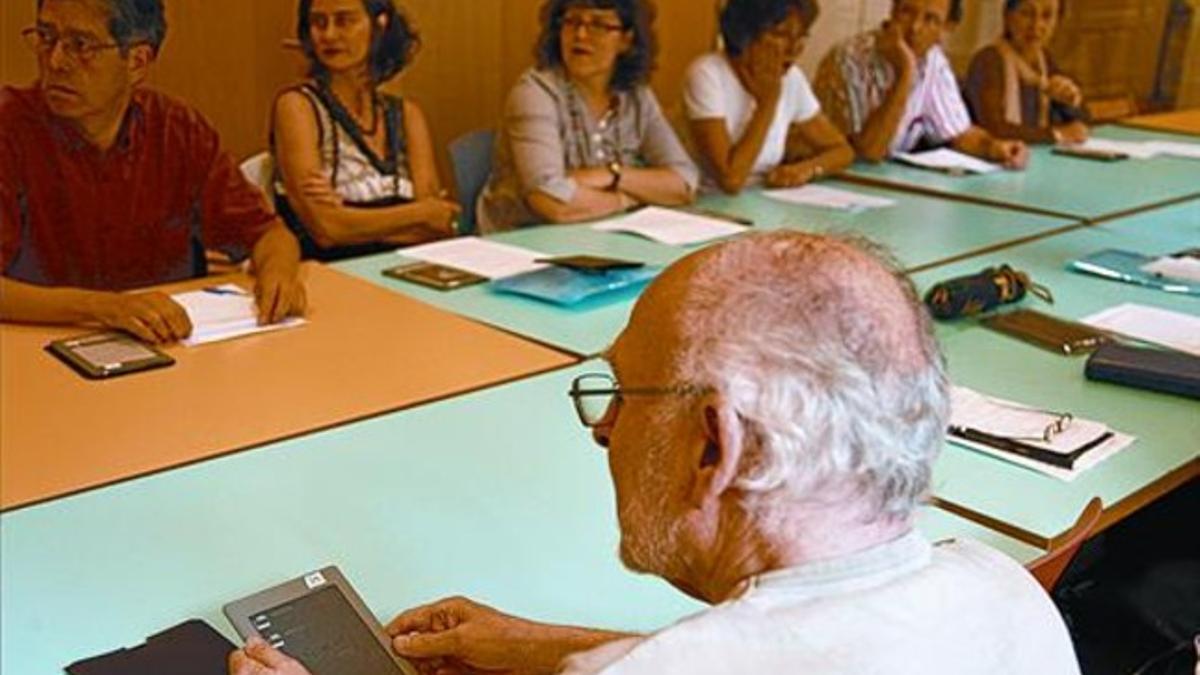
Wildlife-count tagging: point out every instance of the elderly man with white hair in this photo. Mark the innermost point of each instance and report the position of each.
(775, 408)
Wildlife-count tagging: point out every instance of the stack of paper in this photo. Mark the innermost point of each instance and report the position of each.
(827, 197)
(1151, 324)
(975, 417)
(223, 313)
(1176, 149)
(947, 161)
(1135, 149)
(1143, 149)
(672, 227)
(488, 259)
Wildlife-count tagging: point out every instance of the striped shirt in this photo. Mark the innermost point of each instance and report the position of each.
(855, 78)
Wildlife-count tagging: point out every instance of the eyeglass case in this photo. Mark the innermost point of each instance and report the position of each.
(1153, 369)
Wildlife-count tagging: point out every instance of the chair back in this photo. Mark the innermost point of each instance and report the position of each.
(471, 157)
(260, 170)
(1049, 568)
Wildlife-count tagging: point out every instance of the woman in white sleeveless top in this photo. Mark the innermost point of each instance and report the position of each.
(355, 167)
(753, 116)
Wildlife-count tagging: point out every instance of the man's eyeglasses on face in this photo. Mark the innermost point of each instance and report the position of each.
(595, 393)
(79, 48)
(593, 27)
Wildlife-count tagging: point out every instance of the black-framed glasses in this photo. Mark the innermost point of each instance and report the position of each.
(79, 48)
(594, 394)
(593, 27)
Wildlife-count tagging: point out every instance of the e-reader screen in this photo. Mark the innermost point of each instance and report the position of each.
(105, 353)
(322, 631)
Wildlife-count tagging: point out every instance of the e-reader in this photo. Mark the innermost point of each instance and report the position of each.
(191, 648)
(99, 356)
(320, 621)
(440, 277)
(1048, 332)
(1089, 153)
(592, 263)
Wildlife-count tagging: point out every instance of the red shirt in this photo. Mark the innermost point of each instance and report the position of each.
(138, 214)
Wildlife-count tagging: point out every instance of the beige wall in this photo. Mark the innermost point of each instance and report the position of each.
(226, 56)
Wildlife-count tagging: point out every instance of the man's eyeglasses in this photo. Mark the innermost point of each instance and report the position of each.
(593, 27)
(79, 48)
(595, 393)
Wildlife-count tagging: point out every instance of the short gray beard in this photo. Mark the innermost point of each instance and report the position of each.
(652, 547)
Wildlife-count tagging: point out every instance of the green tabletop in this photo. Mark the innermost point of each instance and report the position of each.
(1167, 427)
(463, 496)
(1066, 186)
(921, 231)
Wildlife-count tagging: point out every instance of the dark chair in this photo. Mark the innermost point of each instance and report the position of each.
(471, 157)
(1049, 568)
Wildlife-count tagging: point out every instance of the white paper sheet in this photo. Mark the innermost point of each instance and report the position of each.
(830, 198)
(945, 159)
(489, 259)
(1176, 149)
(1185, 268)
(672, 227)
(1135, 149)
(1151, 324)
(999, 417)
(223, 313)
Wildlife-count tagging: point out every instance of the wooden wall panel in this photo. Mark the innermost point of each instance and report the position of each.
(17, 64)
(1111, 46)
(226, 56)
(454, 78)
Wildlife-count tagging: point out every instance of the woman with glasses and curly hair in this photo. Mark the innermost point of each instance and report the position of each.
(745, 103)
(583, 136)
(355, 167)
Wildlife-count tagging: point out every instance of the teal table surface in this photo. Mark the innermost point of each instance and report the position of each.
(463, 496)
(1167, 427)
(1078, 188)
(921, 231)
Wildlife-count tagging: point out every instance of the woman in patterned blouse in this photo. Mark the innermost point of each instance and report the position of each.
(355, 168)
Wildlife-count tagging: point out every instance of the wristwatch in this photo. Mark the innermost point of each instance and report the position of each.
(615, 168)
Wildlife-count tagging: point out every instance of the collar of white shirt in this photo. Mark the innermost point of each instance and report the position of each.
(822, 578)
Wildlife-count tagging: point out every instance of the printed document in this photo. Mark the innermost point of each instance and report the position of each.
(485, 258)
(223, 313)
(949, 161)
(1151, 324)
(671, 227)
(830, 198)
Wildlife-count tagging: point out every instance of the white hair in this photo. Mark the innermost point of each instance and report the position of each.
(823, 350)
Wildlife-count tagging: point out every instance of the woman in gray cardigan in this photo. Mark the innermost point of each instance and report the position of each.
(583, 136)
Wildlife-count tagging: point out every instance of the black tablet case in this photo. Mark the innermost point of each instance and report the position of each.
(191, 648)
(1157, 370)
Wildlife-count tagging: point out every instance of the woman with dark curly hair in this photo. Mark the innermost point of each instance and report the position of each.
(583, 136)
(744, 104)
(355, 167)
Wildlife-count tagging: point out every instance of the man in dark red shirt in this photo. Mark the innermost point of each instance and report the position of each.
(106, 186)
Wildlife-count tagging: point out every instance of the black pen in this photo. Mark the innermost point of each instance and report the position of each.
(1065, 461)
(721, 215)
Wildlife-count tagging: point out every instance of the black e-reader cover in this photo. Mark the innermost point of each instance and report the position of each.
(191, 648)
